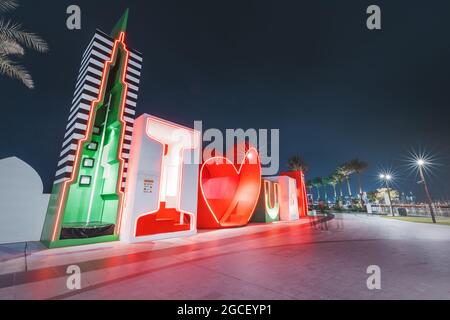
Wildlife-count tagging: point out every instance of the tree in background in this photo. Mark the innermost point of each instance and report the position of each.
(358, 167)
(345, 171)
(378, 196)
(325, 184)
(372, 196)
(297, 163)
(309, 185)
(12, 42)
(333, 181)
(317, 183)
(339, 178)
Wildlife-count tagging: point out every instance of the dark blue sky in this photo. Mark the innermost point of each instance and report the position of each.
(310, 68)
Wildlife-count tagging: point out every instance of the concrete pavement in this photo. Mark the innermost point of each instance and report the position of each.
(280, 261)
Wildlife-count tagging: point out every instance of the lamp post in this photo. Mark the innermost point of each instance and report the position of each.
(386, 178)
(420, 164)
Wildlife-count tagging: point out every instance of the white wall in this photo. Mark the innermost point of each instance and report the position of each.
(22, 203)
(288, 197)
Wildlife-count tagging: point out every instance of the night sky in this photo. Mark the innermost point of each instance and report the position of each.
(310, 68)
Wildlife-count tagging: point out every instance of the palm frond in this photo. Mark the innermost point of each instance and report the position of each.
(13, 70)
(7, 5)
(11, 47)
(358, 165)
(31, 40)
(297, 163)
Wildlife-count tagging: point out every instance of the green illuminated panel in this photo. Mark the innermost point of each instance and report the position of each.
(92, 198)
(268, 207)
(85, 209)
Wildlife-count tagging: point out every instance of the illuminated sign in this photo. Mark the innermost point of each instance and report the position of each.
(140, 180)
(88, 193)
(228, 194)
(302, 197)
(288, 199)
(268, 209)
(162, 182)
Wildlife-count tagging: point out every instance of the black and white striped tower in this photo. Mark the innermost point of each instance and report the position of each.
(91, 174)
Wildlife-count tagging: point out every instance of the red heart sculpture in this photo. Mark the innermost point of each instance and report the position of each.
(227, 195)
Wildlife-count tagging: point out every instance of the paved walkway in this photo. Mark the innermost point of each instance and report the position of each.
(279, 261)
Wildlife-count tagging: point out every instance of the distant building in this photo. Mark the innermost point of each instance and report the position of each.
(411, 198)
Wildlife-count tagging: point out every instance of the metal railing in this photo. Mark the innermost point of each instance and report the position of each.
(412, 209)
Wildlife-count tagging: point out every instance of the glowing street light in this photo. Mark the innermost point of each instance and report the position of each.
(421, 163)
(386, 178)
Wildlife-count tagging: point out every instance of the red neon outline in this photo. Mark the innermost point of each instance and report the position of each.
(238, 173)
(181, 164)
(62, 198)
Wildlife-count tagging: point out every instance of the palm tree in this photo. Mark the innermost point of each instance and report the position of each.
(325, 184)
(317, 183)
(333, 180)
(12, 42)
(339, 178)
(345, 171)
(359, 167)
(310, 186)
(297, 163)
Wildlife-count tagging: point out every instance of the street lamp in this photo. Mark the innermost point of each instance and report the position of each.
(421, 163)
(386, 178)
